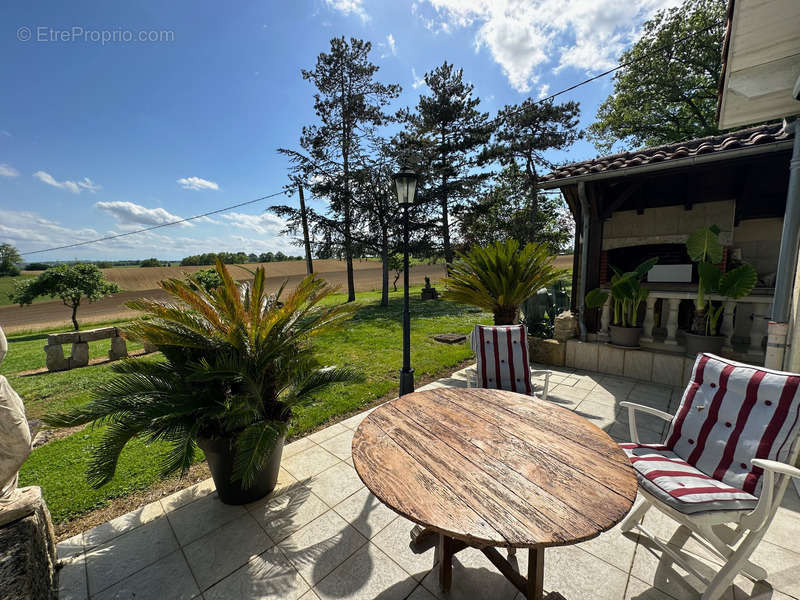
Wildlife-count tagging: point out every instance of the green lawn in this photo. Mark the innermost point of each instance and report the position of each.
(371, 342)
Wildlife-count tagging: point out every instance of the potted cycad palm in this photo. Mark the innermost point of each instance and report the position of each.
(705, 248)
(500, 277)
(237, 362)
(627, 295)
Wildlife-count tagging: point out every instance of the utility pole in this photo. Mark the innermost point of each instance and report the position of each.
(306, 241)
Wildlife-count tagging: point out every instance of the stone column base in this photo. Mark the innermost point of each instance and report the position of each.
(118, 348)
(55, 360)
(80, 355)
(27, 548)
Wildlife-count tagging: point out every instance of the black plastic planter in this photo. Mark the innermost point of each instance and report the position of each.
(695, 344)
(220, 453)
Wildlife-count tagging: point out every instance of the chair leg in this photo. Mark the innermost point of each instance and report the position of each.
(736, 563)
(633, 518)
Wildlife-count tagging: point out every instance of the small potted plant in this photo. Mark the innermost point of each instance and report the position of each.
(706, 250)
(428, 292)
(627, 295)
(238, 361)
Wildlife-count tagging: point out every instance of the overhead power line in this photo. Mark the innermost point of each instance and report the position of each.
(267, 197)
(159, 226)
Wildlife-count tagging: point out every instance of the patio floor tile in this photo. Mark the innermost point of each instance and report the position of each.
(268, 576)
(128, 553)
(297, 446)
(365, 512)
(70, 547)
(601, 414)
(219, 553)
(395, 541)
(72, 579)
(336, 484)
(322, 545)
(309, 462)
(195, 520)
(366, 575)
(354, 421)
(167, 579)
(327, 433)
(116, 527)
(474, 578)
(188, 495)
(340, 445)
(639, 590)
(282, 515)
(613, 547)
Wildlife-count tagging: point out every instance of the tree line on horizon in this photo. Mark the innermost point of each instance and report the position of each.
(478, 175)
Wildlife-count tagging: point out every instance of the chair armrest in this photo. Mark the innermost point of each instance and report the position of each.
(541, 372)
(632, 408)
(546, 373)
(777, 467)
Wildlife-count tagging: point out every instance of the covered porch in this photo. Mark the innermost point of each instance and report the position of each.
(633, 206)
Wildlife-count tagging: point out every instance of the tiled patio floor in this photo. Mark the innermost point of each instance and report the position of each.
(322, 535)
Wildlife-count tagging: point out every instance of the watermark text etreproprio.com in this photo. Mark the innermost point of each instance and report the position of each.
(79, 34)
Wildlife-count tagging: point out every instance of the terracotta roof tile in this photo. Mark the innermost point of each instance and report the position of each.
(754, 136)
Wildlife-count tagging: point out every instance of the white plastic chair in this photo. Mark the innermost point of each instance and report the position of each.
(502, 354)
(724, 464)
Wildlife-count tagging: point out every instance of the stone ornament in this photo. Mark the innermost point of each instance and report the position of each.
(15, 435)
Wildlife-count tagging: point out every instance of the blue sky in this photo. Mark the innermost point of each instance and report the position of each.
(101, 137)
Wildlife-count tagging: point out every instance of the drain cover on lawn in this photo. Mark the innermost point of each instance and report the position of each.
(450, 338)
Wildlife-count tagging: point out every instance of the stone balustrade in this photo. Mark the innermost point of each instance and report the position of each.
(56, 361)
(743, 322)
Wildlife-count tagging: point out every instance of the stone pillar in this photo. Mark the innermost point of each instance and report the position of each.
(148, 347)
(649, 319)
(55, 358)
(80, 355)
(118, 348)
(672, 320)
(27, 548)
(726, 327)
(605, 320)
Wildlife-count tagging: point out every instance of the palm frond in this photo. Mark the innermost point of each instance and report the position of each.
(253, 447)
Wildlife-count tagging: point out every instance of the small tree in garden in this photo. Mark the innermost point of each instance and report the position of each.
(500, 277)
(71, 283)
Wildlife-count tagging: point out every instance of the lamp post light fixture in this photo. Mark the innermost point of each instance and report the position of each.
(405, 183)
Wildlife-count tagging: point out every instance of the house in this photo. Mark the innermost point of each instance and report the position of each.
(632, 206)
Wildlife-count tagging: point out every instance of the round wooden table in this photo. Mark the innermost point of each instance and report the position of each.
(488, 468)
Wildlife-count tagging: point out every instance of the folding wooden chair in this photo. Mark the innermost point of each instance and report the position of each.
(502, 353)
(724, 464)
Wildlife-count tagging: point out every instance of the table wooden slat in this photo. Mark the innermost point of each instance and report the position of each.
(403, 485)
(515, 461)
(612, 474)
(487, 468)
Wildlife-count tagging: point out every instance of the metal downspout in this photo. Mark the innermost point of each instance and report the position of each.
(585, 216)
(787, 262)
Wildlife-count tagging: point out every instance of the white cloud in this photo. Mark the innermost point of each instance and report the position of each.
(417, 80)
(131, 214)
(349, 7)
(523, 36)
(7, 170)
(197, 183)
(73, 186)
(30, 231)
(263, 223)
(5, 133)
(544, 90)
(392, 44)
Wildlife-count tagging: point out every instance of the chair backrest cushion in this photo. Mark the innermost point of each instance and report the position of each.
(502, 353)
(732, 412)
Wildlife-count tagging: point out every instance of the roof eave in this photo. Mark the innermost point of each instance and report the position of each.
(676, 163)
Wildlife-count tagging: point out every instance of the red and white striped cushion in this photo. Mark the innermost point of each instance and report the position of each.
(731, 413)
(502, 353)
(667, 476)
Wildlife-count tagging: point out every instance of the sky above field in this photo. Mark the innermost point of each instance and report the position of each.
(116, 116)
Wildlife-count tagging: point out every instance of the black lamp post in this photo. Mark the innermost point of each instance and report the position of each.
(405, 182)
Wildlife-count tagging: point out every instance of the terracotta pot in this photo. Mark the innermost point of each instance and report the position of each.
(696, 344)
(220, 453)
(625, 336)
